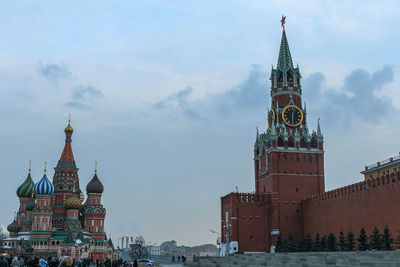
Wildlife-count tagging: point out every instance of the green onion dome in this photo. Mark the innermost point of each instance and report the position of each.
(73, 202)
(26, 188)
(31, 204)
(95, 186)
(14, 227)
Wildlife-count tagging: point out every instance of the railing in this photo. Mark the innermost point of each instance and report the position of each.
(379, 163)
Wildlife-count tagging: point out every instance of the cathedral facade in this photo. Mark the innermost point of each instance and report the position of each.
(290, 197)
(52, 220)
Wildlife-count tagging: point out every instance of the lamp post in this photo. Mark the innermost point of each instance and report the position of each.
(218, 240)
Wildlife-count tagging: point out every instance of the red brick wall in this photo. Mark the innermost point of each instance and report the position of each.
(368, 204)
(250, 220)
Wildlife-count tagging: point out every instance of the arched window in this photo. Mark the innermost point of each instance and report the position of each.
(314, 143)
(303, 142)
(291, 142)
(289, 76)
(280, 141)
(279, 76)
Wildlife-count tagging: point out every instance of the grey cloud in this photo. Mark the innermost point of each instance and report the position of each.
(82, 96)
(178, 101)
(54, 72)
(358, 97)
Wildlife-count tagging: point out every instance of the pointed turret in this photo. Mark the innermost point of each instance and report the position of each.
(284, 59)
(319, 133)
(67, 157)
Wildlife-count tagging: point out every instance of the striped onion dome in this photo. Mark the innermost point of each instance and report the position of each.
(95, 186)
(73, 202)
(26, 188)
(44, 186)
(14, 227)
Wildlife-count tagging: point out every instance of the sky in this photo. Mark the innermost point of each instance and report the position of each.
(167, 95)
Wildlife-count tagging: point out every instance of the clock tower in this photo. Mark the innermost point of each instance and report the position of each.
(288, 158)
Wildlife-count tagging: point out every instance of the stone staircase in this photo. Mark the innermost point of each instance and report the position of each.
(305, 259)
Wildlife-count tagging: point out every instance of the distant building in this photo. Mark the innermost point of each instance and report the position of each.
(385, 167)
(154, 250)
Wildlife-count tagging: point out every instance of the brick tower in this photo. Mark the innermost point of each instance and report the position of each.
(288, 166)
(65, 176)
(288, 159)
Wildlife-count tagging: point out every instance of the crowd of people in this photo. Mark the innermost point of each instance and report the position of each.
(179, 259)
(66, 261)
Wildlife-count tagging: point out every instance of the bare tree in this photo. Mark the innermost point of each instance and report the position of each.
(138, 248)
(3, 235)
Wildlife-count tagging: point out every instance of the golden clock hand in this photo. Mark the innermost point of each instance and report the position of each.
(292, 116)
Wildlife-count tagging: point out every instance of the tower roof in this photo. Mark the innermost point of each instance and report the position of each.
(73, 202)
(26, 188)
(67, 157)
(284, 59)
(44, 186)
(95, 185)
(14, 227)
(31, 204)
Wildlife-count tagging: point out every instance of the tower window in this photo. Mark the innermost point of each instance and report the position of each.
(297, 189)
(297, 158)
(284, 159)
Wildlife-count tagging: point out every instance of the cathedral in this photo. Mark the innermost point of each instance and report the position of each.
(52, 220)
(290, 198)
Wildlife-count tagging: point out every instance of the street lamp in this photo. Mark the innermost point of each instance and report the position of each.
(218, 239)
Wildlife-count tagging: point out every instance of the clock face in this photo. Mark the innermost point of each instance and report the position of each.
(271, 118)
(292, 115)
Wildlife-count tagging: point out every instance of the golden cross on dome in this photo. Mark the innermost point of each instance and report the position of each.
(69, 117)
(95, 167)
(45, 167)
(30, 166)
(283, 21)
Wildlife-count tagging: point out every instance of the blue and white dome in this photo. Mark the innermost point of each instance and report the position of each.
(44, 186)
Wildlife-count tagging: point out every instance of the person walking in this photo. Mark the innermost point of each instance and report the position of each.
(173, 259)
(21, 262)
(15, 262)
(43, 262)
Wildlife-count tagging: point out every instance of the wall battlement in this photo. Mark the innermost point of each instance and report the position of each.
(369, 185)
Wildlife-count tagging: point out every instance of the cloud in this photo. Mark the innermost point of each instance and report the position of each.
(239, 101)
(178, 101)
(359, 97)
(82, 96)
(54, 72)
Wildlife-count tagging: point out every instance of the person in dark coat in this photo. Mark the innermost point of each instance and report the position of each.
(3, 262)
(135, 264)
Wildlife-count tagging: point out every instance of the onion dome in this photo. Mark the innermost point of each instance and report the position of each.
(73, 202)
(44, 186)
(69, 129)
(14, 227)
(26, 188)
(95, 186)
(31, 204)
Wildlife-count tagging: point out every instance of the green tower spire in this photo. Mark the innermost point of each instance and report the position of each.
(285, 59)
